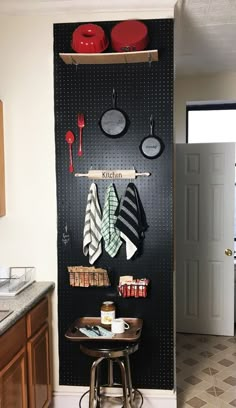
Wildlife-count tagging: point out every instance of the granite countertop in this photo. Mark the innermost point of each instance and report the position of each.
(23, 302)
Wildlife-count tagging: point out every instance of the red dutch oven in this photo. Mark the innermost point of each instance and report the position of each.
(131, 35)
(89, 38)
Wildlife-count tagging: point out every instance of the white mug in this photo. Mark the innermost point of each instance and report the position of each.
(119, 326)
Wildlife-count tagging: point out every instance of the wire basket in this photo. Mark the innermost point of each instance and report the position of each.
(18, 278)
(85, 276)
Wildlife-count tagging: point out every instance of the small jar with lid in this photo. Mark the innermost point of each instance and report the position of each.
(108, 312)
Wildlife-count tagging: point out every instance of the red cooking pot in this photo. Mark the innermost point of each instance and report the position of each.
(131, 35)
(89, 38)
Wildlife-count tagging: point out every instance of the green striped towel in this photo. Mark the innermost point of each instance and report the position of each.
(110, 233)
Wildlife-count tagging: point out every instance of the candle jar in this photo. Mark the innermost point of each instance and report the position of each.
(108, 312)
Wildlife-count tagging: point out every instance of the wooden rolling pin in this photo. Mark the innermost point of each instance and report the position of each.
(111, 174)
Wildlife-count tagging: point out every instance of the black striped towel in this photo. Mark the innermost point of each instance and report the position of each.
(110, 233)
(92, 227)
(131, 220)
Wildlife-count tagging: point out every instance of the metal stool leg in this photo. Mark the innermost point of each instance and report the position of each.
(93, 382)
(110, 373)
(129, 381)
(124, 382)
(97, 387)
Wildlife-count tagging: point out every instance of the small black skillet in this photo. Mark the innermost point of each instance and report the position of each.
(114, 122)
(151, 146)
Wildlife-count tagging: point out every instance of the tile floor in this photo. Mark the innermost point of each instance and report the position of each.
(206, 371)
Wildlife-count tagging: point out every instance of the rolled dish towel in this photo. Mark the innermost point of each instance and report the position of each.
(92, 226)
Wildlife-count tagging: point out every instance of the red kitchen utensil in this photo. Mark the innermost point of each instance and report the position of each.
(70, 139)
(81, 124)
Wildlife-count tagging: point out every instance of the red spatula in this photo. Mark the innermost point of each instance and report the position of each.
(81, 124)
(70, 139)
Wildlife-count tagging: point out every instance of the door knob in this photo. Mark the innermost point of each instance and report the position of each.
(228, 252)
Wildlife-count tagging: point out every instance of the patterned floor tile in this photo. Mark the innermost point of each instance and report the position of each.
(220, 347)
(206, 371)
(186, 395)
(193, 380)
(188, 346)
(206, 354)
(232, 340)
(196, 402)
(230, 380)
(228, 396)
(225, 405)
(221, 384)
(210, 371)
(216, 391)
(190, 362)
(225, 362)
(210, 398)
(182, 404)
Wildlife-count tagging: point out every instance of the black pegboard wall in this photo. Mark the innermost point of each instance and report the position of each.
(142, 90)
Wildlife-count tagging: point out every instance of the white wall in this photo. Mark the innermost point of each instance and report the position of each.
(28, 233)
(219, 87)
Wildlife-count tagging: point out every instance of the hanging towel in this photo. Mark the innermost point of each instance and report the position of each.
(92, 227)
(110, 233)
(131, 220)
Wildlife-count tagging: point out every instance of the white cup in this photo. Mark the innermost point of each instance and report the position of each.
(119, 326)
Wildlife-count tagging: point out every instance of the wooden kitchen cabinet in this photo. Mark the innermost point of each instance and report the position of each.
(2, 166)
(13, 382)
(25, 380)
(39, 384)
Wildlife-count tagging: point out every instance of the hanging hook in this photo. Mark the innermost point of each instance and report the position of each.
(151, 125)
(114, 98)
(149, 59)
(75, 63)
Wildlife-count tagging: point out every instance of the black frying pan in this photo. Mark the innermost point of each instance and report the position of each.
(114, 122)
(151, 146)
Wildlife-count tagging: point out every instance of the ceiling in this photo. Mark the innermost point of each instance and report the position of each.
(205, 36)
(204, 29)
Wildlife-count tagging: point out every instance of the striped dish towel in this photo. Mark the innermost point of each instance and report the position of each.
(131, 220)
(110, 233)
(92, 227)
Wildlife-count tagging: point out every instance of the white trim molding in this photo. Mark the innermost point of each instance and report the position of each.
(151, 398)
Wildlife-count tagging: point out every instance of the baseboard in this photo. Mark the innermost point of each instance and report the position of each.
(151, 398)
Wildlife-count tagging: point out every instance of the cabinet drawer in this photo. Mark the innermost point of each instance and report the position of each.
(12, 341)
(36, 317)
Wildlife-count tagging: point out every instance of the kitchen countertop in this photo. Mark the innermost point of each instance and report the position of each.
(23, 302)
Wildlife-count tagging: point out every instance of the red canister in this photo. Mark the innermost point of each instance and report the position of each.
(131, 35)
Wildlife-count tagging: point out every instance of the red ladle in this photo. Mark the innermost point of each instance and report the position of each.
(70, 139)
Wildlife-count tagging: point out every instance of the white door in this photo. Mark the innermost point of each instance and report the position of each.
(204, 231)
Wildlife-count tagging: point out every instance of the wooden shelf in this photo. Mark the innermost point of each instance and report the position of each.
(110, 58)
